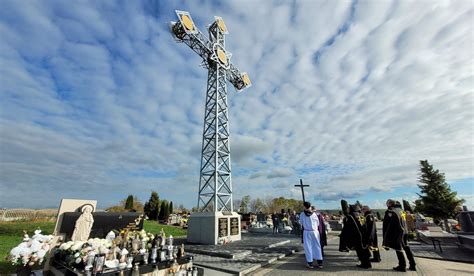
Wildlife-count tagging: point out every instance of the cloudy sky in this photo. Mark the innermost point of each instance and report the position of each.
(97, 101)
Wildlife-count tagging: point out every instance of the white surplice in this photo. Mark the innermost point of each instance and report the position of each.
(312, 246)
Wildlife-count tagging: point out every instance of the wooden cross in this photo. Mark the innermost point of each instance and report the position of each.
(302, 188)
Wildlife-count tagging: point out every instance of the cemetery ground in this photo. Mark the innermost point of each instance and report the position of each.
(344, 263)
(11, 234)
(453, 261)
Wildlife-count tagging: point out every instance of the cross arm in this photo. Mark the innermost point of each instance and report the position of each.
(239, 80)
(196, 40)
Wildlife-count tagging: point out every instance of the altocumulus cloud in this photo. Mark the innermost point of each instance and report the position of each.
(98, 101)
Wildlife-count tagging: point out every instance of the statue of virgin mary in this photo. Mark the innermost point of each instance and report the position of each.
(84, 223)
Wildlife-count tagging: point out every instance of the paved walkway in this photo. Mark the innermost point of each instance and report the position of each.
(341, 263)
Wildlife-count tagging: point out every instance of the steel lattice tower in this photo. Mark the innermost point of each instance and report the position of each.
(215, 183)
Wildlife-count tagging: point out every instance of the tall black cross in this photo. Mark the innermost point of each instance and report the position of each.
(302, 188)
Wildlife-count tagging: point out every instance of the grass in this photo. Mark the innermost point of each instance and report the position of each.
(154, 227)
(11, 234)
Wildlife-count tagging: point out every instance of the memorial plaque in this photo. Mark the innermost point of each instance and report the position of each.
(234, 226)
(223, 231)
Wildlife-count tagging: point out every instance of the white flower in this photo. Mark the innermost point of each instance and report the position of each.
(78, 260)
(103, 250)
(77, 245)
(25, 260)
(35, 245)
(77, 255)
(41, 253)
(25, 251)
(15, 252)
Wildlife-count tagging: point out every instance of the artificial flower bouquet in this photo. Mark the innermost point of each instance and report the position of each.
(77, 253)
(117, 247)
(31, 251)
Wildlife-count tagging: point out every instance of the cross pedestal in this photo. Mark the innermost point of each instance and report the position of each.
(214, 228)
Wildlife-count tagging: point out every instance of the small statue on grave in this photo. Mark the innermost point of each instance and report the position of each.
(84, 223)
(163, 238)
(123, 256)
(136, 245)
(180, 251)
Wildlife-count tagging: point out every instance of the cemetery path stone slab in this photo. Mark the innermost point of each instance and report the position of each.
(245, 256)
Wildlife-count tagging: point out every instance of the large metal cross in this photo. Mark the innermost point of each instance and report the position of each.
(302, 188)
(215, 185)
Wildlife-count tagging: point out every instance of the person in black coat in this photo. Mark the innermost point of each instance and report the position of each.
(370, 234)
(352, 235)
(343, 235)
(275, 221)
(395, 235)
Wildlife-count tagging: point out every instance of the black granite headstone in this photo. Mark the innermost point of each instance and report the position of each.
(261, 217)
(466, 219)
(103, 223)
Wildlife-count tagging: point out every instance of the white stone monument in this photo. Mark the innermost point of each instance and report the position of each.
(214, 227)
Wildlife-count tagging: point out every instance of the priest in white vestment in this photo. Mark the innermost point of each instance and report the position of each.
(312, 246)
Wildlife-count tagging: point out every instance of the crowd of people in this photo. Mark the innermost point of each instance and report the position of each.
(359, 233)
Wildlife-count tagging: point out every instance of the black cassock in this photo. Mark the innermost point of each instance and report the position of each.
(352, 232)
(394, 227)
(370, 234)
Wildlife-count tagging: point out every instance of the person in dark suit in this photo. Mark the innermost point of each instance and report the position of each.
(395, 235)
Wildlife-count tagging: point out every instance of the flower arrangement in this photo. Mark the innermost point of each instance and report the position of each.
(77, 253)
(224, 240)
(80, 254)
(32, 250)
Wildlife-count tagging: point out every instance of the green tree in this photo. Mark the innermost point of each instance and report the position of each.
(256, 205)
(164, 210)
(171, 208)
(244, 204)
(129, 202)
(436, 198)
(152, 206)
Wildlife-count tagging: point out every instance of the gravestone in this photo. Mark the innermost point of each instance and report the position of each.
(70, 205)
(66, 205)
(262, 218)
(104, 222)
(466, 219)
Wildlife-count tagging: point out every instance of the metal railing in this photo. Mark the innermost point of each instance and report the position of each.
(27, 214)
